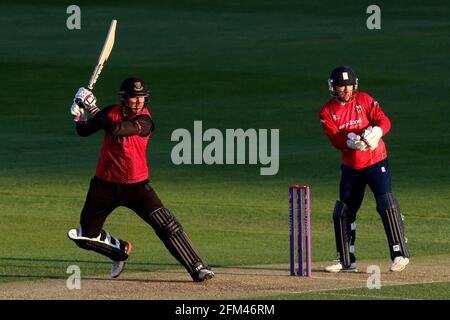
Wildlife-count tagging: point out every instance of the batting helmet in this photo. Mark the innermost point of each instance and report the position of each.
(342, 76)
(133, 87)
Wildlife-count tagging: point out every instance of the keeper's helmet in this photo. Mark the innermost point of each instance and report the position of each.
(133, 87)
(342, 76)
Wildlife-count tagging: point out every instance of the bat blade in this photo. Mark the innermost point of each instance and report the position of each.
(104, 55)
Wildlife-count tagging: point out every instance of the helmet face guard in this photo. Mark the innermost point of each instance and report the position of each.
(342, 76)
(130, 88)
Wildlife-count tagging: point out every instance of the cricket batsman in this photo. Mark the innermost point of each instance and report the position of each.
(121, 179)
(355, 125)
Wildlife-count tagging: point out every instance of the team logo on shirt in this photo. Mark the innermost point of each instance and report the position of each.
(358, 108)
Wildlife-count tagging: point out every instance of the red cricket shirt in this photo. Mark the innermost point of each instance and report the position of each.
(123, 157)
(339, 119)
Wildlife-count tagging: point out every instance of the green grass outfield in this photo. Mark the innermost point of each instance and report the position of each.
(435, 291)
(257, 64)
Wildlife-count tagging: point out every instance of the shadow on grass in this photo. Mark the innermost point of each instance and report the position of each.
(12, 277)
(80, 261)
(51, 268)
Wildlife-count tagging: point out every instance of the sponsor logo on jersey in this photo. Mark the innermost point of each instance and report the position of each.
(350, 123)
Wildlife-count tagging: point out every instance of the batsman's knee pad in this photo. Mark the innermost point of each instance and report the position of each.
(389, 211)
(343, 231)
(170, 231)
(105, 244)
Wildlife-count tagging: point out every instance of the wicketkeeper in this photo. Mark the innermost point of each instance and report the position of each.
(121, 179)
(355, 124)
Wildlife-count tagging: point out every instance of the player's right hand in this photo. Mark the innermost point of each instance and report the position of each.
(354, 142)
(78, 113)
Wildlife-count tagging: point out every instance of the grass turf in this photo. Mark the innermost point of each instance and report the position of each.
(434, 291)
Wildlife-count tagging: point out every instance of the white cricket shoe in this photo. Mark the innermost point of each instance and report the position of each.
(399, 264)
(204, 274)
(338, 267)
(117, 268)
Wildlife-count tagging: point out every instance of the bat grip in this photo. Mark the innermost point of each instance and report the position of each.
(98, 69)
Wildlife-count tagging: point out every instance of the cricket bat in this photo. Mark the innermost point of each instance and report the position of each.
(104, 55)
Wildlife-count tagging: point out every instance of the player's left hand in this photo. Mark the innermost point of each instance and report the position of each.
(87, 100)
(372, 135)
(78, 113)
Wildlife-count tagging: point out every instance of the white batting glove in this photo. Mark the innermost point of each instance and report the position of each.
(87, 99)
(78, 113)
(354, 142)
(372, 135)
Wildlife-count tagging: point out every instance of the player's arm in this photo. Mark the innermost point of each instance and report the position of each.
(338, 139)
(377, 117)
(88, 127)
(141, 125)
(380, 124)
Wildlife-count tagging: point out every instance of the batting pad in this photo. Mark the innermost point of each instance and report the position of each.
(170, 231)
(105, 244)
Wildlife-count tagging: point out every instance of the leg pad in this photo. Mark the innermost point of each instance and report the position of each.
(105, 244)
(342, 232)
(389, 211)
(170, 231)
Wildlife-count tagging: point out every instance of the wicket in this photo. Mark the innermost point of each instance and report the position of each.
(303, 207)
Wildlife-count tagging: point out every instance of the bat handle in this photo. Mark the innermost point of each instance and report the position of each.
(98, 69)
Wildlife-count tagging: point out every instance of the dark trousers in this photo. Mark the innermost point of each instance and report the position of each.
(103, 197)
(353, 185)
